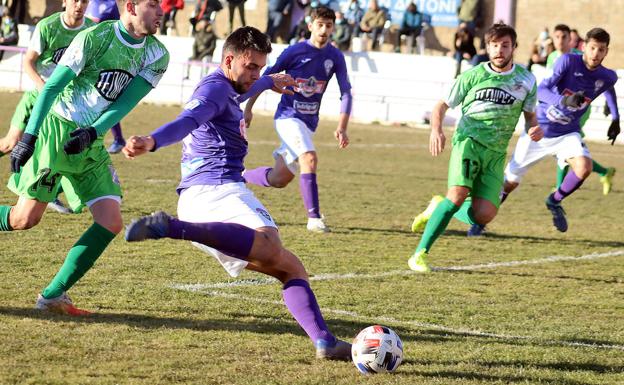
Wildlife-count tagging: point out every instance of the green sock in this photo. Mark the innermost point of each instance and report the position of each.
(437, 223)
(597, 167)
(561, 173)
(79, 260)
(5, 224)
(466, 213)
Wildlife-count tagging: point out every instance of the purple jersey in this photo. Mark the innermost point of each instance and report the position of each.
(312, 68)
(213, 153)
(102, 10)
(569, 76)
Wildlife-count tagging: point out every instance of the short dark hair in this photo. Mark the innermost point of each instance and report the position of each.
(245, 38)
(500, 30)
(598, 34)
(322, 12)
(563, 28)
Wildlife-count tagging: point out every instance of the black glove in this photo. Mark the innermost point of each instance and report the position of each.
(614, 131)
(575, 100)
(80, 139)
(22, 151)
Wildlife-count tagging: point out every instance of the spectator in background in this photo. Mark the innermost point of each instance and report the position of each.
(234, 5)
(8, 30)
(576, 41)
(205, 10)
(341, 38)
(542, 47)
(298, 14)
(277, 10)
(464, 46)
(170, 9)
(102, 10)
(469, 12)
(373, 22)
(411, 26)
(353, 14)
(203, 46)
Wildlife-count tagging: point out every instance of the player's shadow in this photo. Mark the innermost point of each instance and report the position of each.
(535, 239)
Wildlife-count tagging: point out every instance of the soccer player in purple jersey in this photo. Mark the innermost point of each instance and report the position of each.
(312, 64)
(99, 11)
(216, 211)
(563, 99)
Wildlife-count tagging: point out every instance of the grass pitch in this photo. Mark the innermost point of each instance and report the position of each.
(500, 309)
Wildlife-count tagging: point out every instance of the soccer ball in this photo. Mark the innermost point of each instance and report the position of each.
(377, 349)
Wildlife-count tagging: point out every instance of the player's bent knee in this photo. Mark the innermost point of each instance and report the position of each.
(114, 227)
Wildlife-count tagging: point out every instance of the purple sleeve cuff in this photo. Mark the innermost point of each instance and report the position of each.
(173, 131)
(264, 83)
(611, 99)
(346, 102)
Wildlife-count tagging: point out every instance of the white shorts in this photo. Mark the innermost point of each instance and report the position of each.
(229, 203)
(528, 152)
(296, 140)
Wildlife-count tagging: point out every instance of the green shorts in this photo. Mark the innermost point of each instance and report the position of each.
(90, 173)
(475, 166)
(24, 109)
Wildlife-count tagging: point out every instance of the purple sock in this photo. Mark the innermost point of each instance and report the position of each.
(117, 134)
(301, 303)
(258, 176)
(570, 184)
(229, 238)
(309, 193)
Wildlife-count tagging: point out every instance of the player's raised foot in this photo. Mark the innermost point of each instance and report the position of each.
(59, 207)
(116, 146)
(317, 225)
(418, 262)
(60, 305)
(421, 219)
(607, 180)
(476, 230)
(558, 214)
(153, 226)
(339, 350)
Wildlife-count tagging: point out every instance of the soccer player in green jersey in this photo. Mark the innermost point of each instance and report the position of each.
(492, 95)
(50, 39)
(104, 73)
(562, 41)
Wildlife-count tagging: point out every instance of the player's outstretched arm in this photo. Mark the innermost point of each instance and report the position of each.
(614, 127)
(277, 82)
(138, 145)
(437, 140)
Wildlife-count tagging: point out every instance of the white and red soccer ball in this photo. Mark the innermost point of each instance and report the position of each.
(377, 349)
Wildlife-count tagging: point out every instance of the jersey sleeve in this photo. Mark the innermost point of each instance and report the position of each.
(76, 55)
(342, 76)
(459, 90)
(281, 63)
(208, 101)
(37, 42)
(546, 92)
(531, 99)
(155, 65)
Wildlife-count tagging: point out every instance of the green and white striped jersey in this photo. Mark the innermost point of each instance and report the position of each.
(50, 40)
(491, 103)
(105, 62)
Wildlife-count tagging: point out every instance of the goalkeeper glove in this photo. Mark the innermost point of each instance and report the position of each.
(22, 152)
(614, 131)
(80, 139)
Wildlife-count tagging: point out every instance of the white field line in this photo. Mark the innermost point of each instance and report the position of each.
(413, 324)
(333, 277)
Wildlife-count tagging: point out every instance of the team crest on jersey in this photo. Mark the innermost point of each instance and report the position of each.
(309, 87)
(328, 64)
(598, 85)
(495, 95)
(111, 83)
(56, 56)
